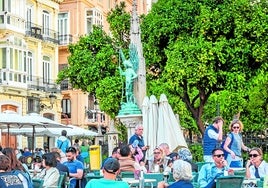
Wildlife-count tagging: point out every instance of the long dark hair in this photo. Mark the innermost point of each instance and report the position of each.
(15, 163)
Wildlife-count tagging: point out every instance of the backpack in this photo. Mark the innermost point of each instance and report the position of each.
(222, 146)
(63, 145)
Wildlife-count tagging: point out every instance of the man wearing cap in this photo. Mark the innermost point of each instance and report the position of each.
(110, 171)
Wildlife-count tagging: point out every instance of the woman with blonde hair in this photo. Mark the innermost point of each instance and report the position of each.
(256, 167)
(234, 144)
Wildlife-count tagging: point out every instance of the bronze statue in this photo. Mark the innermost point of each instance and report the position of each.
(131, 66)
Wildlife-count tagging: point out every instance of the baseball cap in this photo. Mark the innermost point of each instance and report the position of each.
(111, 165)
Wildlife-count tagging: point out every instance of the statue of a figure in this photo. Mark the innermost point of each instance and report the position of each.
(131, 66)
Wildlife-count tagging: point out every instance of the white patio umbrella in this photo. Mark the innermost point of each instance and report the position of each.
(153, 123)
(45, 122)
(73, 131)
(145, 120)
(11, 119)
(53, 131)
(169, 130)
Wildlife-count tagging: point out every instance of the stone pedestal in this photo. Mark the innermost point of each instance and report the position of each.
(130, 121)
(112, 137)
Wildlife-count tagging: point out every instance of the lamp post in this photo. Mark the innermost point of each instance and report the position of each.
(99, 137)
(52, 98)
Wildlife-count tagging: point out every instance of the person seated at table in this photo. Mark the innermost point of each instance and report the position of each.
(171, 156)
(76, 168)
(115, 154)
(8, 178)
(50, 173)
(256, 167)
(63, 157)
(136, 151)
(61, 167)
(127, 163)
(17, 167)
(182, 173)
(185, 154)
(26, 152)
(111, 168)
(211, 171)
(157, 162)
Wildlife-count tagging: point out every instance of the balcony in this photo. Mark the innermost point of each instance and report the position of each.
(41, 84)
(38, 32)
(33, 30)
(65, 85)
(50, 35)
(65, 39)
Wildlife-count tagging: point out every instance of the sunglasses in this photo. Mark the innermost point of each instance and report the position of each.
(219, 155)
(236, 127)
(253, 155)
(156, 152)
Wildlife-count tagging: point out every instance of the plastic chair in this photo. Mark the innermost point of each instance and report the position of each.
(170, 178)
(62, 180)
(240, 173)
(38, 183)
(127, 174)
(200, 164)
(157, 176)
(229, 181)
(195, 177)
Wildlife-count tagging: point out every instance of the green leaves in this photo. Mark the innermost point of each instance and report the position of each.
(206, 47)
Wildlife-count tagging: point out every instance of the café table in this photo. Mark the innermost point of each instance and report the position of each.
(135, 182)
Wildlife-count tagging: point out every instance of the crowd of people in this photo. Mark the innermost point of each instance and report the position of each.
(73, 159)
(18, 168)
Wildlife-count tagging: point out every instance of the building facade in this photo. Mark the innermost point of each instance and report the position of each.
(29, 61)
(34, 36)
(76, 19)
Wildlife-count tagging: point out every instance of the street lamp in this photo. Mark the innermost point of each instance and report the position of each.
(52, 97)
(99, 138)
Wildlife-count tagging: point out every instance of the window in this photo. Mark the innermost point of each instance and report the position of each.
(17, 59)
(30, 66)
(33, 104)
(93, 17)
(3, 58)
(29, 14)
(5, 5)
(66, 108)
(63, 28)
(46, 19)
(46, 69)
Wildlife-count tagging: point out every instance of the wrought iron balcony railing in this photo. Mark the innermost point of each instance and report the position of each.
(65, 39)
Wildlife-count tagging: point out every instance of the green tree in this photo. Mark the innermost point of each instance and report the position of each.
(205, 47)
(92, 64)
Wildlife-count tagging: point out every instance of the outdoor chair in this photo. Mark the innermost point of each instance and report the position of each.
(157, 176)
(127, 174)
(38, 183)
(200, 164)
(195, 177)
(229, 181)
(240, 172)
(170, 178)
